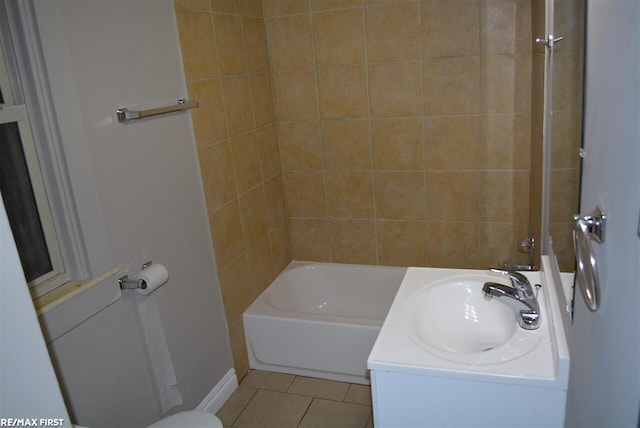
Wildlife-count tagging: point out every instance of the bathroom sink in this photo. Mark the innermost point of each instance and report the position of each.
(449, 356)
(441, 324)
(454, 320)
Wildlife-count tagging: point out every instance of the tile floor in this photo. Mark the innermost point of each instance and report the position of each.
(266, 399)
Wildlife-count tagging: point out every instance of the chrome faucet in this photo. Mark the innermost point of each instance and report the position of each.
(520, 297)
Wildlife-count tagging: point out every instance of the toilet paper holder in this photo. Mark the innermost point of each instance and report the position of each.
(127, 283)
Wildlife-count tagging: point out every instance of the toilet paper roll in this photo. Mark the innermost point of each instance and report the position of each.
(154, 276)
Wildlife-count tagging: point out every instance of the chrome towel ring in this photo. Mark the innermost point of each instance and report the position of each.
(586, 229)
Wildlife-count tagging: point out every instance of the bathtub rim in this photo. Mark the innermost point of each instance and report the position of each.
(259, 307)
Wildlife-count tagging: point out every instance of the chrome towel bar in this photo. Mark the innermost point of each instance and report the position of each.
(586, 229)
(125, 115)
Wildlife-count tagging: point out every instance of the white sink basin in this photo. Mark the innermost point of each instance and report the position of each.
(441, 324)
(454, 320)
(449, 356)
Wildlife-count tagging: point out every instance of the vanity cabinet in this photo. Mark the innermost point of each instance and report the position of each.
(411, 400)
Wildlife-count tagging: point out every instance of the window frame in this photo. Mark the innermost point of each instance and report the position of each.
(42, 79)
(6, 82)
(58, 275)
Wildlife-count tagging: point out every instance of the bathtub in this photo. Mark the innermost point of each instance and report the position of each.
(320, 319)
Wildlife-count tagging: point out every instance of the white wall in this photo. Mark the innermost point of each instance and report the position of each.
(28, 385)
(123, 53)
(604, 388)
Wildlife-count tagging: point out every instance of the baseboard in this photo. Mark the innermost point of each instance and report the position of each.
(220, 393)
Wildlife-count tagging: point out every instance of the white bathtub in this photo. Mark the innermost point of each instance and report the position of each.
(320, 319)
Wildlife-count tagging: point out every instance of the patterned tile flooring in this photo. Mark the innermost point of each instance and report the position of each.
(266, 399)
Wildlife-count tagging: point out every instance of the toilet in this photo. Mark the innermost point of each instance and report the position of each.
(188, 419)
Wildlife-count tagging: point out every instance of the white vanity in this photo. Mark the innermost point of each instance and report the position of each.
(447, 355)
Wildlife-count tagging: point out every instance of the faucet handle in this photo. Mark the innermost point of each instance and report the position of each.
(518, 280)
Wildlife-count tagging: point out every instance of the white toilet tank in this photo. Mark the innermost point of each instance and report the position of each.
(189, 419)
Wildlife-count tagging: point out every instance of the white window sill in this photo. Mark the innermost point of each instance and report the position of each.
(74, 302)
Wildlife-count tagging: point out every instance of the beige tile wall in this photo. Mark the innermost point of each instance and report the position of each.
(227, 68)
(358, 131)
(404, 128)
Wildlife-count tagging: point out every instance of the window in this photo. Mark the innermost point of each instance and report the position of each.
(65, 233)
(26, 203)
(23, 190)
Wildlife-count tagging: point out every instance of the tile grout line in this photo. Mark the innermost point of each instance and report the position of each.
(305, 412)
(292, 382)
(347, 393)
(245, 406)
(286, 391)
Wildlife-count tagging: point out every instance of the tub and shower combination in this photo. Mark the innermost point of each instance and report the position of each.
(320, 319)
